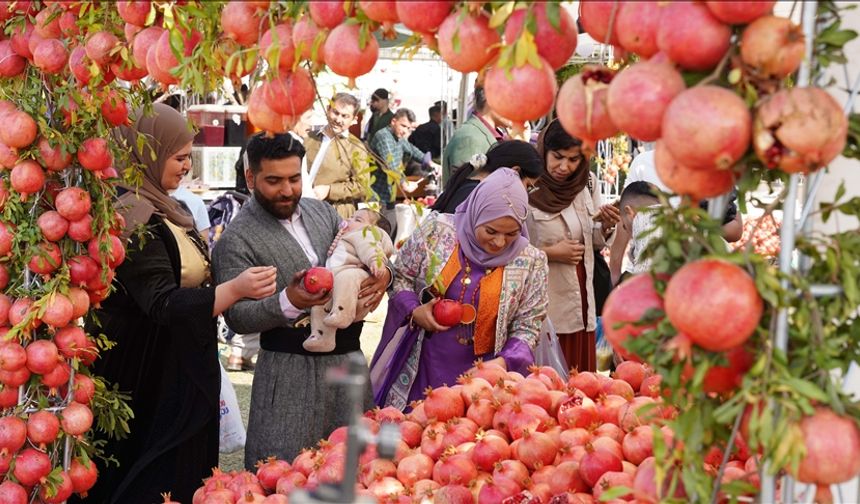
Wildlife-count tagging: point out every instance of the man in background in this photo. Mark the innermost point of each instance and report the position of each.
(428, 136)
(381, 115)
(475, 136)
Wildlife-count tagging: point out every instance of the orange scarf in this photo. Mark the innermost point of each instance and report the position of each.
(488, 301)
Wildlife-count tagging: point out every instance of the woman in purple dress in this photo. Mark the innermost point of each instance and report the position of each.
(482, 258)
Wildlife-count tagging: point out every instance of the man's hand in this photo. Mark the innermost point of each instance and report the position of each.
(608, 215)
(322, 191)
(373, 288)
(302, 299)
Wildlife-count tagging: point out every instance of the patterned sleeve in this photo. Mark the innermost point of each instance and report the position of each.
(531, 313)
(410, 265)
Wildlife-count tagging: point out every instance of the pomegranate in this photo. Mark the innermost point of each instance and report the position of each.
(21, 310)
(691, 36)
(50, 56)
(443, 404)
(639, 96)
(43, 427)
(715, 303)
(61, 491)
(598, 18)
(384, 12)
(134, 12)
(636, 27)
(707, 127)
(73, 203)
(586, 382)
(4, 273)
(42, 356)
(165, 60)
(482, 412)
(8, 157)
(317, 279)
(631, 372)
(18, 129)
(8, 399)
(100, 47)
(76, 419)
(451, 494)
(84, 389)
(94, 154)
(27, 178)
(12, 355)
(454, 468)
(555, 45)
(82, 269)
(290, 481)
(773, 46)
(832, 448)
(114, 248)
(14, 379)
(11, 64)
(489, 450)
(448, 312)
(739, 12)
(327, 14)
(283, 50)
(13, 434)
(79, 65)
(53, 158)
(799, 130)
(345, 55)
(627, 304)
(637, 412)
(31, 466)
(645, 483)
(241, 23)
(497, 490)
(83, 474)
(142, 42)
(581, 105)
(596, 463)
(638, 444)
(13, 493)
(521, 93)
(306, 36)
(58, 311)
(698, 184)
(290, 93)
(21, 40)
(48, 23)
(413, 468)
(69, 25)
(46, 258)
(722, 379)
(114, 109)
(52, 225)
(423, 16)
(477, 42)
(264, 117)
(535, 449)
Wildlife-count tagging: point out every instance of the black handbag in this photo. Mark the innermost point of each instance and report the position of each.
(601, 277)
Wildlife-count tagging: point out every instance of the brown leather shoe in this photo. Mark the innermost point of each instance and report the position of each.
(235, 363)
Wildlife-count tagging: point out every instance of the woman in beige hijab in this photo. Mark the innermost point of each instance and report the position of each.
(162, 317)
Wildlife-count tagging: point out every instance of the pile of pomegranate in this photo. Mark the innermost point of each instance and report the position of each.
(763, 234)
(500, 437)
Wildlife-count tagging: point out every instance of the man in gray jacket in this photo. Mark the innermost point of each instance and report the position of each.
(292, 406)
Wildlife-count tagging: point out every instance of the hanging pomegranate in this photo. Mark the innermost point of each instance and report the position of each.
(598, 18)
(467, 43)
(522, 93)
(691, 36)
(345, 55)
(773, 46)
(284, 50)
(626, 305)
(639, 96)
(290, 93)
(684, 181)
(740, 12)
(581, 105)
(636, 26)
(555, 45)
(423, 16)
(832, 449)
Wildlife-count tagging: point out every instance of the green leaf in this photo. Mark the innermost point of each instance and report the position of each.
(553, 15)
(455, 41)
(837, 38)
(502, 14)
(840, 191)
(150, 18)
(806, 388)
(615, 493)
(521, 51)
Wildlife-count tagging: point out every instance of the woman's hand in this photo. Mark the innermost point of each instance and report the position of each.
(608, 215)
(256, 282)
(566, 251)
(423, 316)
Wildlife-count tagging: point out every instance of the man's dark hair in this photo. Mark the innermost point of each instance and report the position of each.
(480, 100)
(347, 99)
(435, 109)
(279, 146)
(404, 112)
(638, 194)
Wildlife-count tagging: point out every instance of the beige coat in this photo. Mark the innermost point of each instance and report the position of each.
(345, 169)
(574, 222)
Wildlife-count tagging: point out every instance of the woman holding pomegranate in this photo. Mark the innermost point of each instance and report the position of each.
(163, 320)
(466, 287)
(568, 223)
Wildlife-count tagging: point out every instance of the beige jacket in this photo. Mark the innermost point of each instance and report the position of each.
(574, 222)
(345, 169)
(363, 247)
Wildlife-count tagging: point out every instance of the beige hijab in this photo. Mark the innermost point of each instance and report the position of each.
(166, 131)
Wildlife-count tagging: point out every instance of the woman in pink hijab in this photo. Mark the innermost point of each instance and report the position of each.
(480, 257)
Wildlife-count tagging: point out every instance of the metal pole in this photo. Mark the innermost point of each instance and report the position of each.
(787, 237)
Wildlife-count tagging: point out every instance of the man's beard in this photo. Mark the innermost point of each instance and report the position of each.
(272, 206)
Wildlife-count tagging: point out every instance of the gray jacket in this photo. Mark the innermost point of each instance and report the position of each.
(256, 238)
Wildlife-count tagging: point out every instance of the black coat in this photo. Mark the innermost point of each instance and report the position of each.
(166, 358)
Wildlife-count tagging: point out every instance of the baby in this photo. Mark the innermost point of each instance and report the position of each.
(362, 241)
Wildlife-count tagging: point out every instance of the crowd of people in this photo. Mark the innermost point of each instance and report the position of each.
(517, 236)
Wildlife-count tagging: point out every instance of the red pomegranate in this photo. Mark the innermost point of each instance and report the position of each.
(54, 158)
(739, 12)
(773, 46)
(477, 42)
(79, 65)
(12, 355)
(698, 184)
(639, 96)
(707, 127)
(636, 27)
(128, 71)
(165, 59)
(71, 342)
(413, 468)
(61, 491)
(290, 93)
(715, 303)
(443, 404)
(43, 428)
(799, 130)
(596, 16)
(327, 14)
(45, 259)
(345, 55)
(241, 23)
(448, 312)
(143, 41)
(94, 154)
(114, 109)
(18, 130)
(21, 40)
(723, 379)
(581, 105)
(50, 56)
(27, 178)
(83, 474)
(522, 93)
(13, 493)
(384, 12)
(8, 157)
(317, 279)
(306, 35)
(48, 23)
(82, 269)
(161, 74)
(76, 419)
(81, 230)
(134, 12)
(31, 466)
(114, 246)
(627, 304)
(555, 45)
(832, 448)
(11, 64)
(80, 302)
(691, 36)
(99, 47)
(73, 203)
(13, 434)
(423, 16)
(7, 235)
(284, 50)
(58, 311)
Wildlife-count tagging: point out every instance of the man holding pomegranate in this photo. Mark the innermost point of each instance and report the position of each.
(291, 404)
